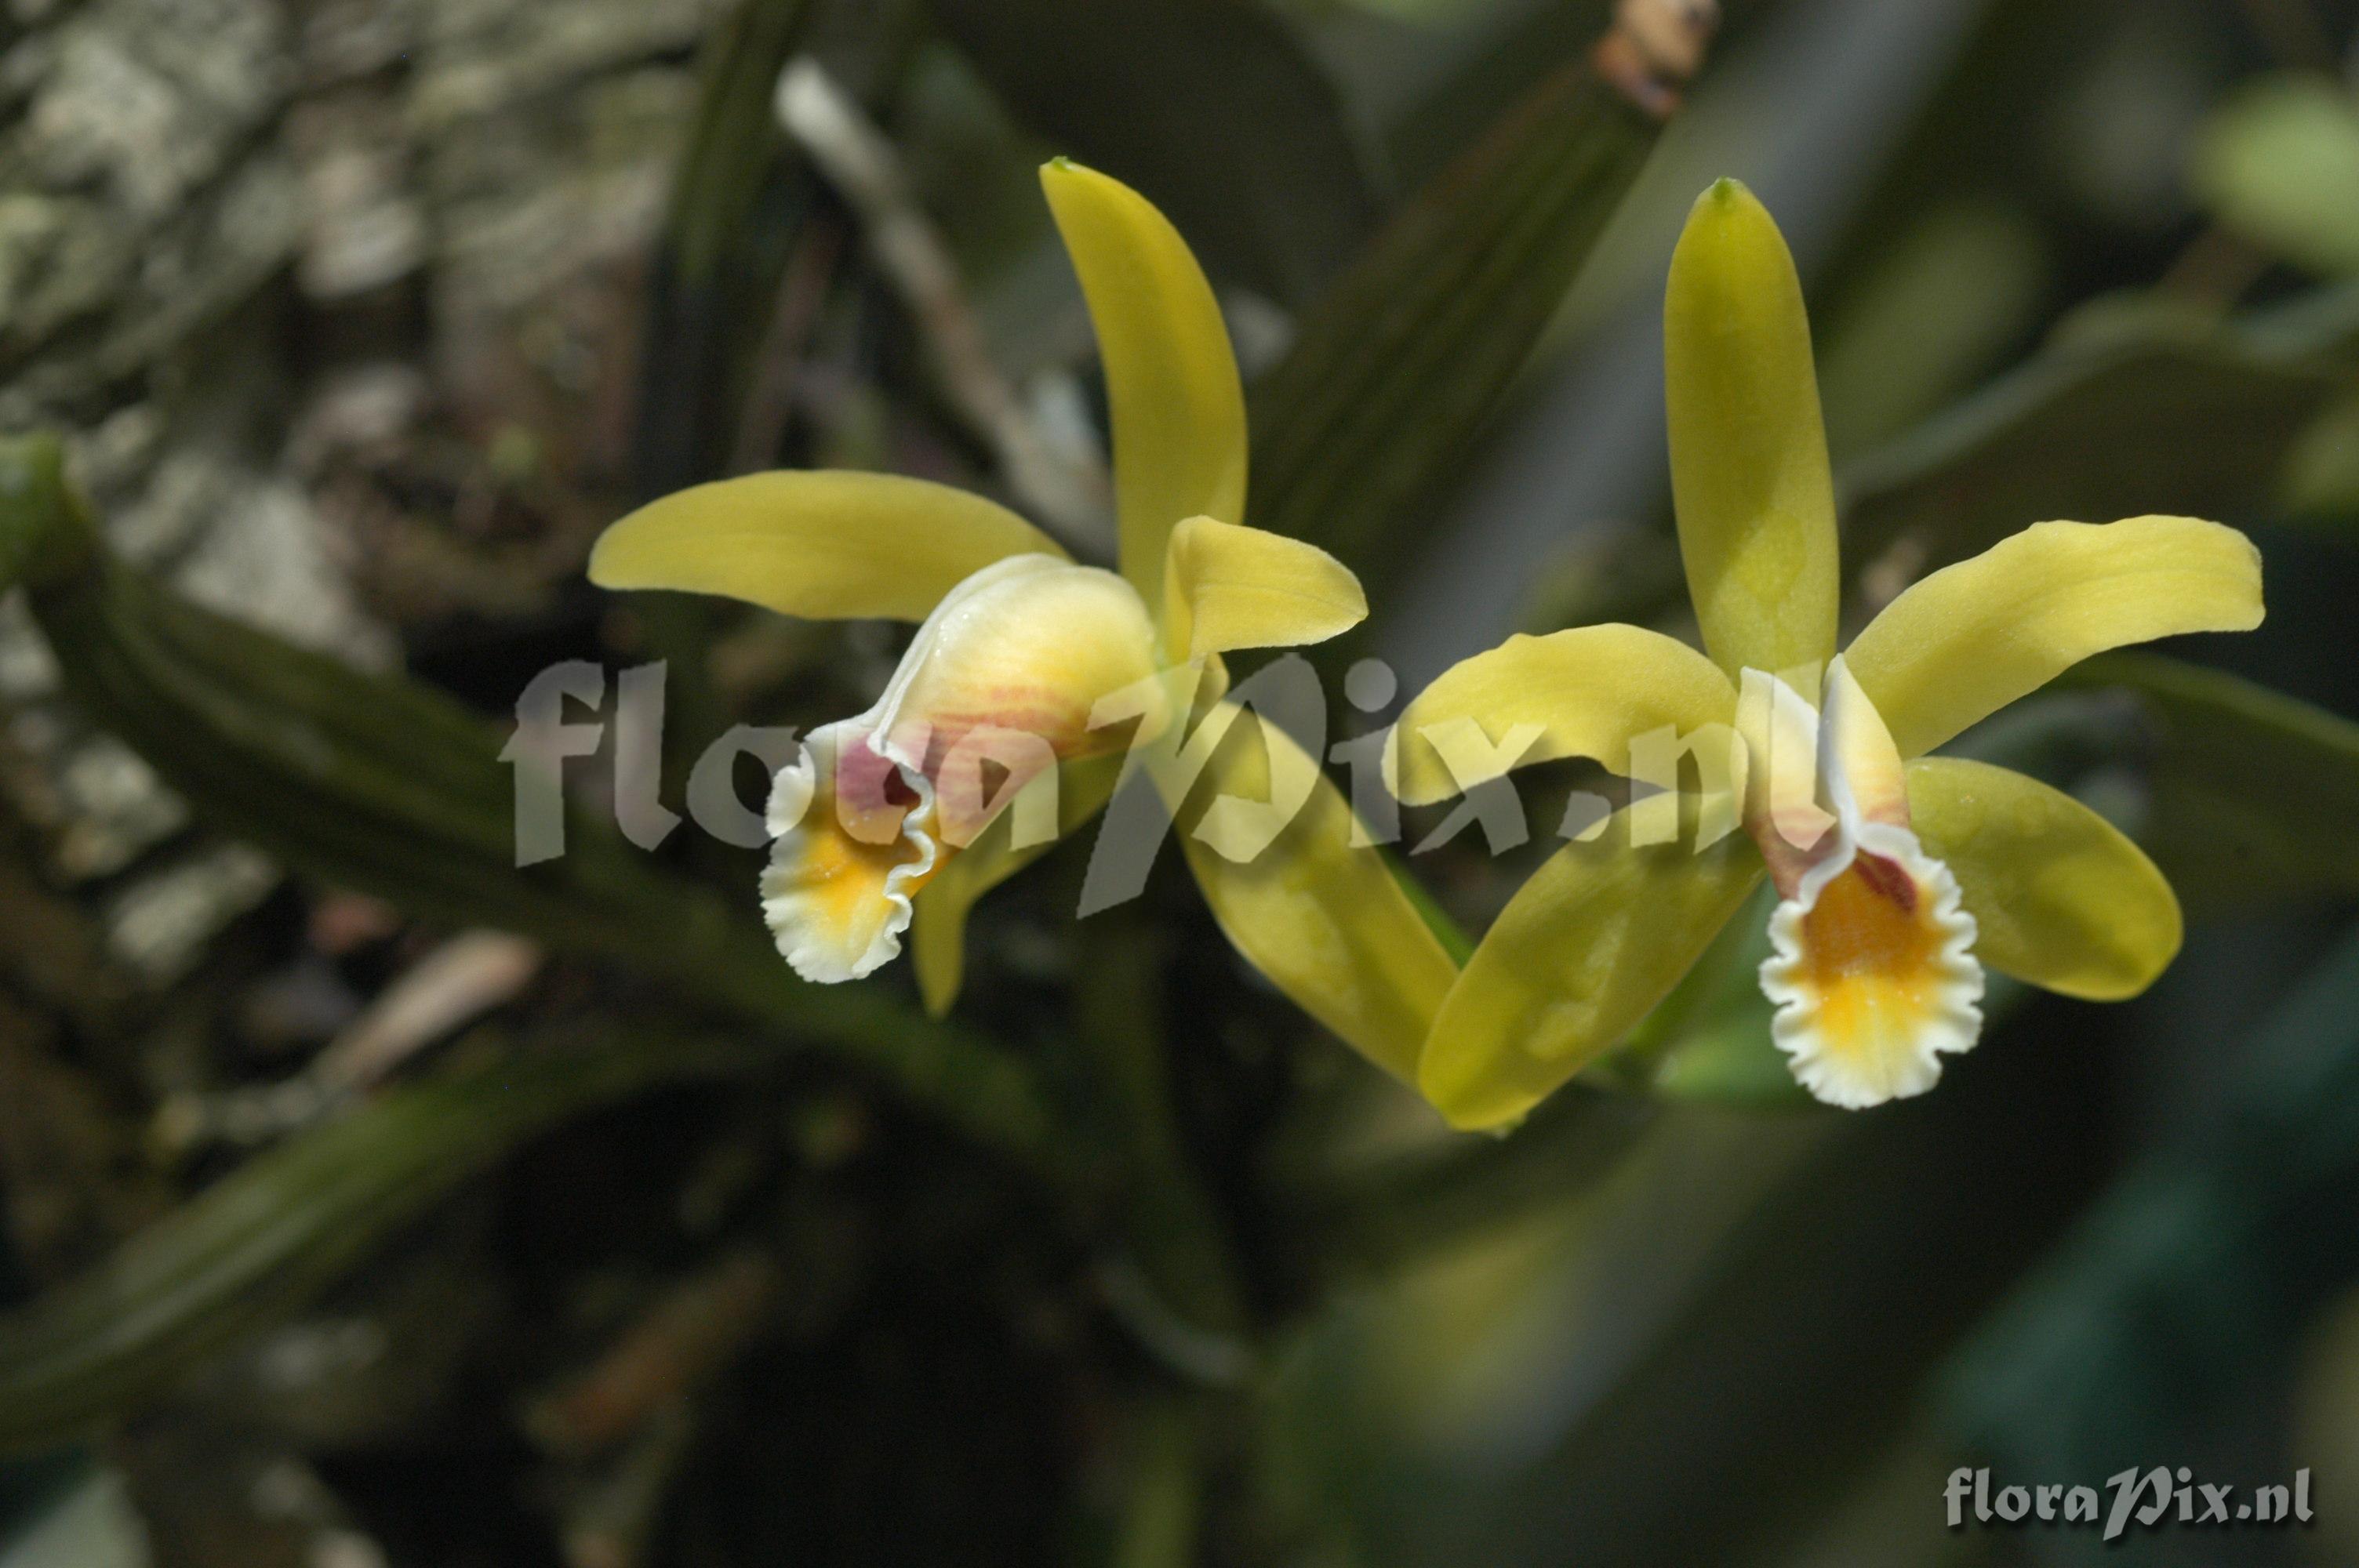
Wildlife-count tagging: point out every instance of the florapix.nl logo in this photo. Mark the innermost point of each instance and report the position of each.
(2155, 1499)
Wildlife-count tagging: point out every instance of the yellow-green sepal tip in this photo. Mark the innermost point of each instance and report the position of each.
(1749, 473)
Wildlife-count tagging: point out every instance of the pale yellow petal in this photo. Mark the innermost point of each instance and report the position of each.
(1974, 637)
(974, 733)
(999, 686)
(827, 544)
(1584, 693)
(1323, 920)
(1177, 407)
(1749, 474)
(1859, 763)
(2062, 899)
(1598, 935)
(1783, 778)
(1231, 587)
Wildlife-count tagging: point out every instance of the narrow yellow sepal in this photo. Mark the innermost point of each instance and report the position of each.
(2061, 899)
(1178, 406)
(938, 930)
(1230, 586)
(1322, 919)
(1965, 641)
(1598, 935)
(1749, 474)
(825, 545)
(1584, 693)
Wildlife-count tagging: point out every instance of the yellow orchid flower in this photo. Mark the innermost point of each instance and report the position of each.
(912, 810)
(1900, 875)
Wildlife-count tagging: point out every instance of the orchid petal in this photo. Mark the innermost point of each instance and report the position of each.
(995, 693)
(822, 545)
(1873, 970)
(1860, 764)
(2062, 898)
(1584, 693)
(1000, 683)
(1784, 776)
(1178, 406)
(1231, 587)
(1316, 911)
(1749, 474)
(1962, 644)
(1598, 935)
(846, 858)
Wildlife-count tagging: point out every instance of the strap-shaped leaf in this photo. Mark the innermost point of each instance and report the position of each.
(2148, 414)
(1398, 366)
(385, 785)
(2253, 795)
(259, 1245)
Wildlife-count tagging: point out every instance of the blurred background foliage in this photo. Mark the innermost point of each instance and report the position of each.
(370, 1201)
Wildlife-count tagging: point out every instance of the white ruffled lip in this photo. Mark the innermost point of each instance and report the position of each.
(813, 933)
(1905, 1058)
(1814, 829)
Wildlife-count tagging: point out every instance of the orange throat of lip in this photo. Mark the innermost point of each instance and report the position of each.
(1870, 953)
(849, 873)
(1874, 981)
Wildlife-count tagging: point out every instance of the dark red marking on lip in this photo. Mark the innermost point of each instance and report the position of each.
(1888, 877)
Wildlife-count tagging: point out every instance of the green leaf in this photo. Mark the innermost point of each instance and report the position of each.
(2278, 163)
(2127, 413)
(2186, 1284)
(263, 1243)
(1397, 369)
(2254, 794)
(389, 787)
(736, 205)
(1210, 108)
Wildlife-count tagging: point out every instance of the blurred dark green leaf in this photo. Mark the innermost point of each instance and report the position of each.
(2254, 794)
(1211, 108)
(1930, 314)
(2278, 163)
(2129, 411)
(2148, 1328)
(387, 786)
(261, 1243)
(1399, 367)
(1794, 1361)
(734, 208)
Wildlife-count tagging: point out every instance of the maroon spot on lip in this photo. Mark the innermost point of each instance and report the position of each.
(1888, 877)
(897, 791)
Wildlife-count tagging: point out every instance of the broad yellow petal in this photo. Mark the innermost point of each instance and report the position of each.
(1583, 693)
(1972, 638)
(1231, 587)
(825, 545)
(2060, 898)
(1177, 407)
(1323, 920)
(1599, 935)
(1749, 474)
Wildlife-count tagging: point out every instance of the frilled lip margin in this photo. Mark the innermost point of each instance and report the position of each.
(855, 839)
(1874, 975)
